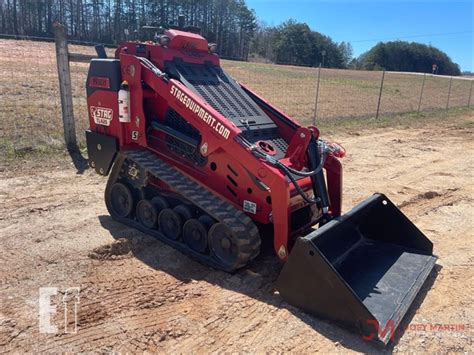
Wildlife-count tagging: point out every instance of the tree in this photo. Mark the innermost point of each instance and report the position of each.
(229, 23)
(263, 42)
(346, 51)
(295, 43)
(410, 57)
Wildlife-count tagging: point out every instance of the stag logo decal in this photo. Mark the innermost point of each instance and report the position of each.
(102, 115)
(194, 107)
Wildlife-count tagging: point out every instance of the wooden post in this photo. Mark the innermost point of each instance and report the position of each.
(65, 87)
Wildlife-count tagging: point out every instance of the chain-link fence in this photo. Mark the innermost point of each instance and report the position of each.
(30, 106)
(350, 93)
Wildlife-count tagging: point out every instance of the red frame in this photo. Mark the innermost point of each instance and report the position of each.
(158, 97)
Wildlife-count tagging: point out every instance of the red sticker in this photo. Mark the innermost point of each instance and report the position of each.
(99, 82)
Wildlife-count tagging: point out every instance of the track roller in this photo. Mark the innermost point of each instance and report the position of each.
(147, 214)
(160, 203)
(223, 244)
(207, 220)
(195, 235)
(120, 200)
(184, 212)
(170, 223)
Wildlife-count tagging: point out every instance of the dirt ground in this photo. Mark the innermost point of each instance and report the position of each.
(138, 294)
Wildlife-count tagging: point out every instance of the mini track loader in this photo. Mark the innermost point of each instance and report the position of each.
(207, 166)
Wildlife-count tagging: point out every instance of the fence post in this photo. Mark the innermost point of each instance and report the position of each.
(380, 95)
(449, 92)
(421, 93)
(470, 94)
(317, 96)
(65, 86)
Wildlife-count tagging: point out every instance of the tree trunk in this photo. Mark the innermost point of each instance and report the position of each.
(15, 19)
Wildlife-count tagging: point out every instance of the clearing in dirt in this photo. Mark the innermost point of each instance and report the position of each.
(138, 294)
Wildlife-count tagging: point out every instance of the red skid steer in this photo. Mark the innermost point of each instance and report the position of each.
(204, 164)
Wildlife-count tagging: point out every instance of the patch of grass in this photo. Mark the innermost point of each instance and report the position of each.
(455, 116)
(12, 154)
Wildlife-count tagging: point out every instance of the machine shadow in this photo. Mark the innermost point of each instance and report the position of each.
(255, 281)
(80, 162)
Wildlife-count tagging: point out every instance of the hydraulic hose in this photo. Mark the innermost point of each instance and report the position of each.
(289, 172)
(298, 188)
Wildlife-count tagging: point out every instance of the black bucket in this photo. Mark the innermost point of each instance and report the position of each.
(362, 270)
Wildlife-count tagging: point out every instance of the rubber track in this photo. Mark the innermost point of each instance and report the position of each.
(243, 228)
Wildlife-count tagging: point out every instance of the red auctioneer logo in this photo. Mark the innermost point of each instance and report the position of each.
(390, 328)
(378, 331)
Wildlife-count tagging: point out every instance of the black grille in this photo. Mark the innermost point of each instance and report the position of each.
(177, 122)
(280, 144)
(222, 93)
(174, 120)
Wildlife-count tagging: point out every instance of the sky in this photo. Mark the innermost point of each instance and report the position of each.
(447, 25)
